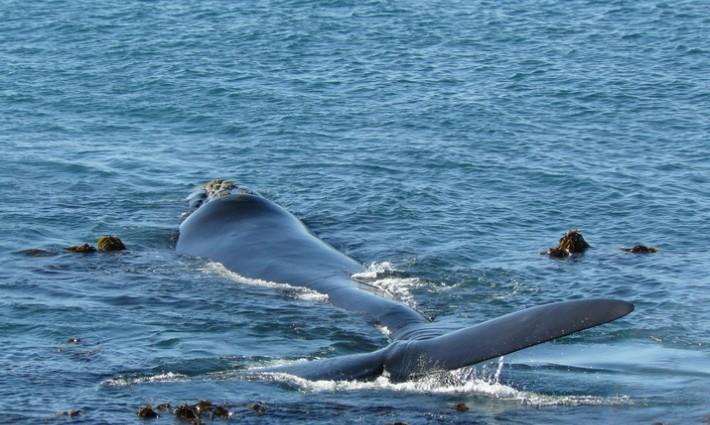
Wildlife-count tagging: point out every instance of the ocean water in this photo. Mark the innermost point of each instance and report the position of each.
(442, 144)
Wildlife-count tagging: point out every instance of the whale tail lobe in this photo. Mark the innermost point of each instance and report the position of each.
(402, 360)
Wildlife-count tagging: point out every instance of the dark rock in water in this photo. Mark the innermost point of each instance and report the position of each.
(83, 249)
(110, 243)
(398, 423)
(147, 412)
(258, 407)
(640, 249)
(461, 407)
(188, 412)
(72, 413)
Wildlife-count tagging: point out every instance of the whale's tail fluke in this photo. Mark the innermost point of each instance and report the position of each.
(506, 334)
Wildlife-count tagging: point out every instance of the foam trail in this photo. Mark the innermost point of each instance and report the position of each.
(452, 383)
(124, 381)
(383, 277)
(295, 291)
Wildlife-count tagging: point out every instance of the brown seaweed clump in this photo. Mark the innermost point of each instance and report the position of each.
(188, 412)
(36, 252)
(571, 243)
(258, 407)
(147, 412)
(461, 407)
(641, 249)
(83, 248)
(204, 406)
(194, 413)
(110, 243)
(221, 411)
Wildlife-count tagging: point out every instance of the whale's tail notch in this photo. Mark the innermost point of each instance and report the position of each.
(403, 360)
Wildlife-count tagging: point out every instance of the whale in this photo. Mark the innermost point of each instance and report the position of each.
(256, 238)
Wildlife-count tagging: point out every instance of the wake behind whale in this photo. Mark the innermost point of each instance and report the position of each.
(258, 239)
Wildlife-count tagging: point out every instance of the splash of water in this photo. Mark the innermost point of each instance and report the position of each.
(501, 362)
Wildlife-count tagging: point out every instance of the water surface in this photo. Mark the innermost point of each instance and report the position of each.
(441, 144)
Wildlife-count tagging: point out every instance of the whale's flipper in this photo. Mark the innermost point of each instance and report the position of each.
(497, 337)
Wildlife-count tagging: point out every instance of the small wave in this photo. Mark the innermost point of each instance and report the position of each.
(383, 277)
(123, 381)
(294, 291)
(452, 383)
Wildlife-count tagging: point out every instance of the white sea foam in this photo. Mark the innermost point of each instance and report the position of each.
(123, 381)
(294, 291)
(458, 382)
(383, 277)
(454, 382)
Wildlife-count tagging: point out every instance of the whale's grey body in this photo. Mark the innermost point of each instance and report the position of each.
(256, 238)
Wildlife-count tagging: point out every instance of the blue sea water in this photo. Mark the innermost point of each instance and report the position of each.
(442, 144)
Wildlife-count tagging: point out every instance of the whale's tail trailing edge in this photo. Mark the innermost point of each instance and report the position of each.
(503, 335)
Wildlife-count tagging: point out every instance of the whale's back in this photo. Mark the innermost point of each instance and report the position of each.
(256, 238)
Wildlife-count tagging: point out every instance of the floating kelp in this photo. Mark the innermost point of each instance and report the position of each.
(640, 249)
(461, 407)
(83, 248)
(110, 243)
(147, 412)
(571, 243)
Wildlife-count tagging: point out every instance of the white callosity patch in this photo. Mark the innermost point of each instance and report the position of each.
(295, 291)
